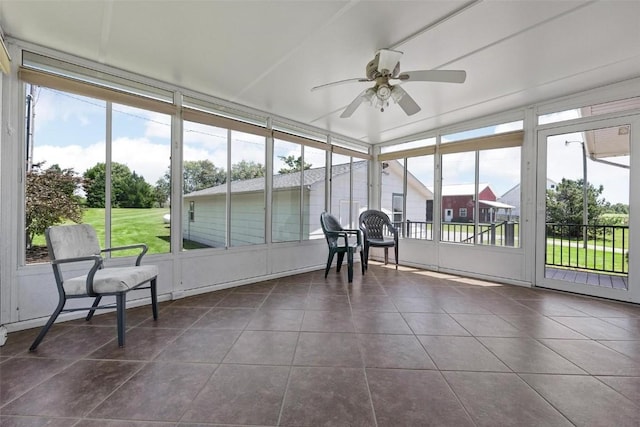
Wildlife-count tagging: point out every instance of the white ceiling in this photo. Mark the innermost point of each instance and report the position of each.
(268, 54)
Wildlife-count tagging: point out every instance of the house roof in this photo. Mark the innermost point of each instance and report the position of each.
(497, 205)
(280, 182)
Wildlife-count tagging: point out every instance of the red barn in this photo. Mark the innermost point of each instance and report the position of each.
(458, 203)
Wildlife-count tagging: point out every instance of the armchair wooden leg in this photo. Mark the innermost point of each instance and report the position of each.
(362, 262)
(48, 325)
(121, 304)
(154, 299)
(93, 308)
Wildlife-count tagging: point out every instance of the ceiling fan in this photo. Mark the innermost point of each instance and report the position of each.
(385, 67)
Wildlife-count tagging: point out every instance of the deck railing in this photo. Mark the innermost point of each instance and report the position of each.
(606, 247)
(500, 234)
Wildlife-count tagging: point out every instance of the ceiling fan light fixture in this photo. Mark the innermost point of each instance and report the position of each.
(384, 92)
(397, 94)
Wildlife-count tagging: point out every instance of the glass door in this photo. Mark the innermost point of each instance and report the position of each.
(584, 202)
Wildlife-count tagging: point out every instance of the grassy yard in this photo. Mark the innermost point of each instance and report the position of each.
(593, 259)
(129, 226)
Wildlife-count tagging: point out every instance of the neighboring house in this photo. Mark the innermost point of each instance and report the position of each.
(512, 197)
(458, 203)
(419, 197)
(205, 210)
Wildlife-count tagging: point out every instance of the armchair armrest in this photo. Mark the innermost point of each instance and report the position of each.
(141, 246)
(97, 259)
(97, 264)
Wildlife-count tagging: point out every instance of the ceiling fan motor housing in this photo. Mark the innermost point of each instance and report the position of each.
(373, 73)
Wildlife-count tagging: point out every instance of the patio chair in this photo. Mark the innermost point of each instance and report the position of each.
(79, 244)
(339, 242)
(376, 228)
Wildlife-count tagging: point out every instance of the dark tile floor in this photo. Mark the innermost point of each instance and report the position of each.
(394, 348)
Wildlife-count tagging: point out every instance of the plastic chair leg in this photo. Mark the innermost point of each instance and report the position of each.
(350, 264)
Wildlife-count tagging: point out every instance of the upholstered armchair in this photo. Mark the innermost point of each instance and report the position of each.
(78, 244)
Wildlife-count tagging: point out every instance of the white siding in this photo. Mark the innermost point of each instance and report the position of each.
(286, 215)
(392, 182)
(247, 219)
(209, 222)
(340, 195)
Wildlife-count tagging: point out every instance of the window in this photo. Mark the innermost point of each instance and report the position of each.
(397, 207)
(499, 202)
(481, 190)
(97, 148)
(408, 145)
(349, 188)
(204, 180)
(410, 173)
(109, 183)
(590, 110)
(419, 207)
(247, 210)
(458, 191)
(313, 192)
(140, 157)
(392, 189)
(286, 194)
(66, 138)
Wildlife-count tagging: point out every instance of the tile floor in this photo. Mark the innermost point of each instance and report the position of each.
(394, 348)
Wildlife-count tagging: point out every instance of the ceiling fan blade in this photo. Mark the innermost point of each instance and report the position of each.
(365, 95)
(340, 82)
(445, 76)
(402, 98)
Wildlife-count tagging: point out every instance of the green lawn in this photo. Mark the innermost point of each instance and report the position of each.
(596, 259)
(129, 226)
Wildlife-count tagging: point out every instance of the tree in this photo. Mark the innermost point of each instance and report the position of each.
(128, 189)
(565, 204)
(295, 165)
(246, 170)
(50, 199)
(196, 175)
(618, 208)
(162, 191)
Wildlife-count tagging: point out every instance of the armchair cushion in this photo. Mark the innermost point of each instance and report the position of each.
(73, 241)
(111, 280)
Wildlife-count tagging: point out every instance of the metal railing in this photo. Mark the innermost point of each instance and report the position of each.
(604, 249)
(499, 234)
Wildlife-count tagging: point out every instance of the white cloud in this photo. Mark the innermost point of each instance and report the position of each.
(140, 155)
(52, 105)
